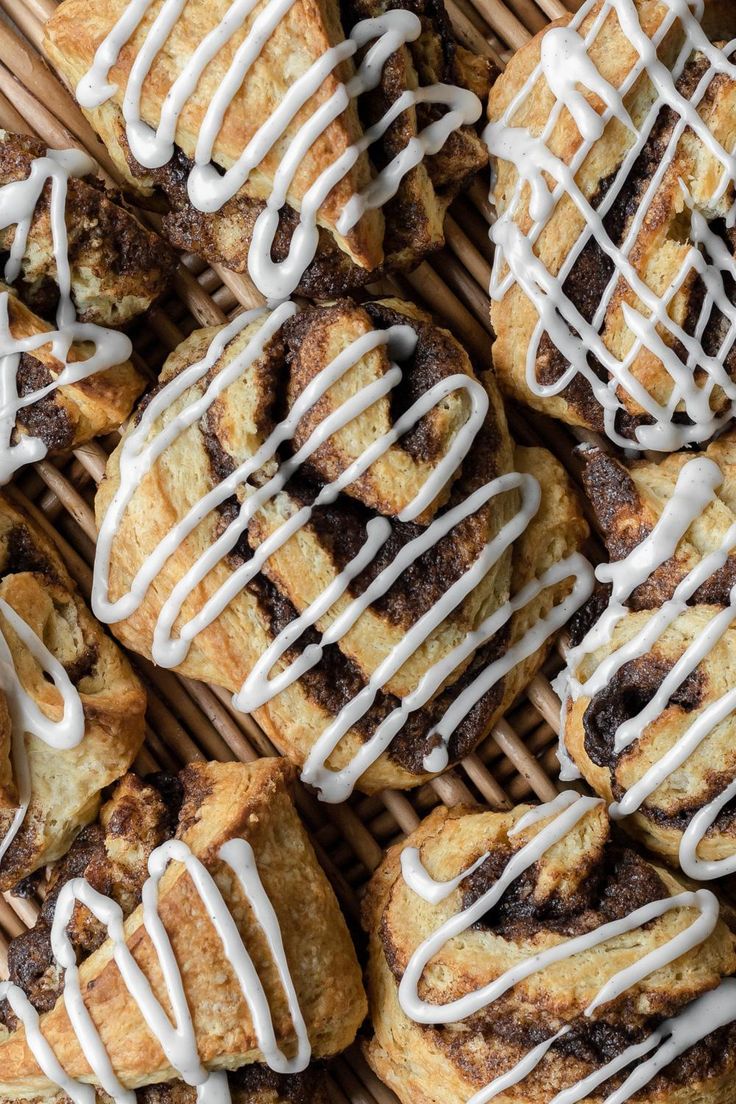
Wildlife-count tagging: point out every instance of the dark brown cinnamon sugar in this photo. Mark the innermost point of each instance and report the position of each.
(410, 226)
(65, 785)
(579, 884)
(296, 572)
(629, 500)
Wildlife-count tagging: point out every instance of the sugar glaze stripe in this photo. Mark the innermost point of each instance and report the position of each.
(566, 64)
(208, 188)
(672, 1038)
(143, 446)
(178, 1039)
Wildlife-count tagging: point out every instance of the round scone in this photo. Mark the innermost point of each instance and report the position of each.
(517, 956)
(649, 718)
(319, 511)
(611, 135)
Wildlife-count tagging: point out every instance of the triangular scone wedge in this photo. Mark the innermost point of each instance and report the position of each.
(222, 801)
(65, 785)
(303, 35)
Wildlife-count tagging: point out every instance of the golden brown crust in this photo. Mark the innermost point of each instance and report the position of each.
(407, 229)
(254, 1084)
(65, 785)
(74, 413)
(580, 883)
(221, 802)
(307, 30)
(238, 421)
(662, 243)
(628, 501)
(118, 268)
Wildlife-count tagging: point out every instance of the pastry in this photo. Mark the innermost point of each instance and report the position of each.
(650, 703)
(254, 1084)
(314, 160)
(319, 511)
(71, 709)
(117, 268)
(207, 892)
(76, 263)
(613, 289)
(527, 957)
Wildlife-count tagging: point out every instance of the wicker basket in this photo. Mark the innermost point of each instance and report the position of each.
(188, 720)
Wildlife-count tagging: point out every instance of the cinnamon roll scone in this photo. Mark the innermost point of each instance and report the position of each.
(528, 956)
(319, 511)
(650, 707)
(613, 290)
(75, 264)
(314, 145)
(188, 943)
(71, 709)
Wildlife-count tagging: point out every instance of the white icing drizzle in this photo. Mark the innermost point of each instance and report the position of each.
(566, 66)
(209, 188)
(706, 869)
(140, 449)
(178, 1038)
(541, 812)
(18, 201)
(27, 718)
(669, 1040)
(423, 884)
(695, 489)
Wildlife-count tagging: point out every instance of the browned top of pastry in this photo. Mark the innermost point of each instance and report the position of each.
(210, 804)
(307, 30)
(649, 182)
(295, 574)
(65, 785)
(407, 228)
(580, 883)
